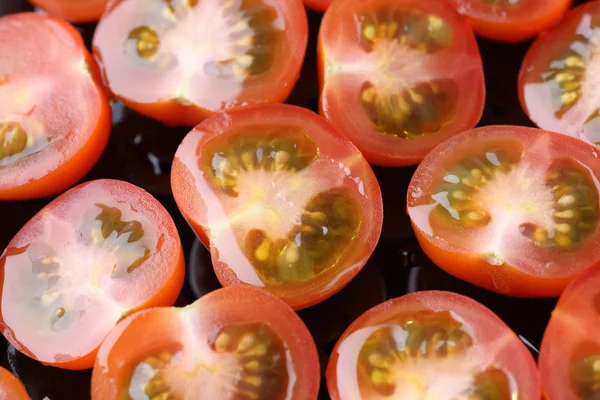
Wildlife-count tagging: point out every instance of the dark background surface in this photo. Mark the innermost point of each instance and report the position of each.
(141, 150)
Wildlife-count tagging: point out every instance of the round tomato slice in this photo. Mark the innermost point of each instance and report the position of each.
(317, 5)
(283, 199)
(237, 343)
(431, 345)
(399, 77)
(511, 20)
(511, 209)
(180, 61)
(93, 255)
(558, 81)
(10, 387)
(76, 11)
(54, 115)
(570, 353)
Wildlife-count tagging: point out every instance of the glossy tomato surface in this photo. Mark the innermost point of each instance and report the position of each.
(236, 342)
(10, 387)
(431, 345)
(282, 198)
(181, 61)
(570, 350)
(558, 81)
(54, 115)
(73, 10)
(399, 77)
(512, 20)
(95, 254)
(512, 209)
(317, 5)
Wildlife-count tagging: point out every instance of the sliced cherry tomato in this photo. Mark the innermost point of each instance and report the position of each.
(317, 5)
(54, 115)
(511, 209)
(10, 387)
(512, 20)
(399, 77)
(73, 10)
(237, 343)
(93, 255)
(558, 82)
(570, 352)
(282, 198)
(431, 345)
(181, 61)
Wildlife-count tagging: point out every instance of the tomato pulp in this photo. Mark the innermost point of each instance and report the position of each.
(181, 61)
(283, 200)
(400, 77)
(54, 115)
(236, 342)
(90, 257)
(431, 345)
(511, 209)
(570, 351)
(558, 81)
(511, 20)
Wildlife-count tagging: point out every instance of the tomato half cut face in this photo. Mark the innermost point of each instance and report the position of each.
(180, 61)
(558, 81)
(570, 351)
(236, 342)
(93, 255)
(54, 116)
(283, 199)
(511, 209)
(511, 20)
(10, 387)
(76, 11)
(431, 345)
(317, 5)
(399, 77)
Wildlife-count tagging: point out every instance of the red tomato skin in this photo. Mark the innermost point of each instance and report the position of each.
(11, 388)
(75, 11)
(166, 296)
(172, 113)
(74, 169)
(317, 5)
(483, 319)
(503, 29)
(226, 305)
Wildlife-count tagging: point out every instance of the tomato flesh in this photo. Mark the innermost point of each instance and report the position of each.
(570, 350)
(76, 11)
(317, 5)
(10, 387)
(511, 209)
(54, 116)
(235, 342)
(399, 78)
(182, 61)
(431, 345)
(283, 200)
(509, 20)
(93, 255)
(558, 78)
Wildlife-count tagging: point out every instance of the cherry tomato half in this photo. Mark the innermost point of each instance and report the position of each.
(399, 77)
(93, 255)
(431, 345)
(558, 80)
(237, 343)
(317, 5)
(570, 351)
(73, 10)
(511, 209)
(181, 61)
(283, 199)
(511, 20)
(54, 115)
(10, 387)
